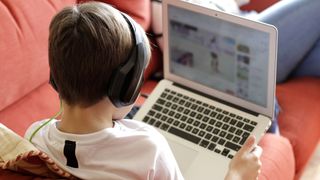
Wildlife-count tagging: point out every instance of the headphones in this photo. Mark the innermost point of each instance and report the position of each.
(126, 80)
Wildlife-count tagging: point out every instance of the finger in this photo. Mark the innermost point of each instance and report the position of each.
(257, 151)
(248, 145)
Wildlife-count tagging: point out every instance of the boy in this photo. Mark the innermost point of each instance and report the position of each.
(97, 56)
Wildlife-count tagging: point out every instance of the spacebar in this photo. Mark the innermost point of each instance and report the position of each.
(184, 135)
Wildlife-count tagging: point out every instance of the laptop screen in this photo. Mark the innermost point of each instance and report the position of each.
(222, 55)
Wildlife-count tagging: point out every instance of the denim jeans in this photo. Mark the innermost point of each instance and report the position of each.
(298, 23)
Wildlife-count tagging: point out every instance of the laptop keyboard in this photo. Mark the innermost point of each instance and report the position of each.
(208, 126)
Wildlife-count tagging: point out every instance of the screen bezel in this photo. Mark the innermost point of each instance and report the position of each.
(273, 38)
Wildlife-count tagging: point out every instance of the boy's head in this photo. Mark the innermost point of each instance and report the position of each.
(87, 45)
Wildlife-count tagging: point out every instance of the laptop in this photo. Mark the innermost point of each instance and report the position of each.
(218, 87)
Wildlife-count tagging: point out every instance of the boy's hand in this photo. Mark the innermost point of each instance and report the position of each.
(246, 164)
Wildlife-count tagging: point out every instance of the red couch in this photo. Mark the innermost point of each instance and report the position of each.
(26, 96)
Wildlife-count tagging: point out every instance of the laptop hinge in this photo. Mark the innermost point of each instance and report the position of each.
(217, 99)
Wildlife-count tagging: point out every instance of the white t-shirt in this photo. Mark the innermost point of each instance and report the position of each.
(129, 150)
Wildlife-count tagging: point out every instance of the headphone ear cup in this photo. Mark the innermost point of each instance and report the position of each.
(125, 84)
(135, 79)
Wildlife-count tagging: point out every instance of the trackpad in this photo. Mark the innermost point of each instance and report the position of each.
(183, 154)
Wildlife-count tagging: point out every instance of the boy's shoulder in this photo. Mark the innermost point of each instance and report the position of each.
(36, 125)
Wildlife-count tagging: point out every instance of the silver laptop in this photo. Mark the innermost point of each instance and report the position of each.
(218, 86)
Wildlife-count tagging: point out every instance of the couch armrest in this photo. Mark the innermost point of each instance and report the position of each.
(277, 158)
(258, 5)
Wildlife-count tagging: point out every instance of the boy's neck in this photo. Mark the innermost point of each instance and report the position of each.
(79, 120)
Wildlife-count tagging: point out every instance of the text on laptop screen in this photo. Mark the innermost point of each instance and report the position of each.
(222, 55)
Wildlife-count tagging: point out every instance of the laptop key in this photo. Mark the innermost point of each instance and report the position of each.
(184, 118)
(225, 152)
(239, 117)
(232, 146)
(239, 132)
(161, 101)
(196, 123)
(209, 128)
(253, 123)
(229, 136)
(188, 128)
(169, 97)
(188, 104)
(164, 118)
(193, 114)
(180, 109)
(200, 109)
(184, 135)
(151, 121)
(174, 107)
(221, 142)
(245, 136)
(236, 139)
(211, 146)
(232, 115)
(157, 107)
(213, 114)
(190, 121)
(205, 119)
(165, 110)
(186, 111)
(202, 133)
(176, 123)
(216, 131)
(182, 125)
(215, 139)
(170, 120)
(204, 143)
(163, 95)
(203, 126)
(220, 116)
(218, 124)
(230, 156)
(218, 109)
(145, 119)
(195, 131)
(233, 121)
(248, 128)
(208, 136)
(217, 151)
(164, 127)
(240, 124)
(151, 112)
(232, 129)
(212, 121)
(157, 124)
(225, 112)
(206, 112)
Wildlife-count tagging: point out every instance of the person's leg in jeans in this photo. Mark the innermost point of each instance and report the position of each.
(298, 23)
(310, 66)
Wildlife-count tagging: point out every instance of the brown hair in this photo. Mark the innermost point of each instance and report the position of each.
(86, 43)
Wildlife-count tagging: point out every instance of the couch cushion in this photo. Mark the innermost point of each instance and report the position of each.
(299, 118)
(277, 158)
(41, 103)
(23, 46)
